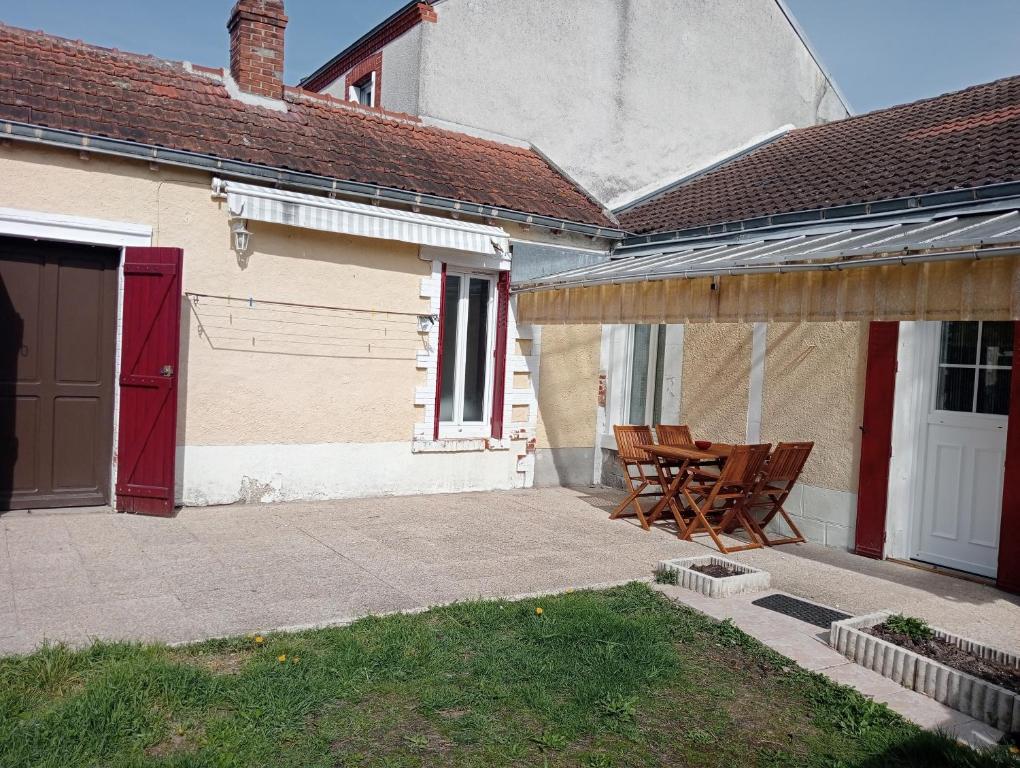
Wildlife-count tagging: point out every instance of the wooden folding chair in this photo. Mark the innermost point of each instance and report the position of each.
(639, 469)
(678, 435)
(782, 470)
(725, 497)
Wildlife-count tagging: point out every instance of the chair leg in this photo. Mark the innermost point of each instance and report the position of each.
(701, 522)
(733, 518)
(797, 538)
(637, 486)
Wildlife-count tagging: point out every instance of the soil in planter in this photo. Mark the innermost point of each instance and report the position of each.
(716, 571)
(955, 657)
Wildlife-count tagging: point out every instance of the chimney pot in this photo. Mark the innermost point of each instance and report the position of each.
(256, 46)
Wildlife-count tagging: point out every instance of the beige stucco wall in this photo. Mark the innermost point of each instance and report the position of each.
(717, 365)
(814, 390)
(568, 386)
(231, 397)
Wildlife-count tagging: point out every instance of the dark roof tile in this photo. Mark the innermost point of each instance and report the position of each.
(57, 83)
(965, 139)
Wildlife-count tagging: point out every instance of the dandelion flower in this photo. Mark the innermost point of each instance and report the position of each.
(539, 611)
(259, 640)
(282, 658)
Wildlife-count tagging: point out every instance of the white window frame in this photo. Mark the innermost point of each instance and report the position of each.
(977, 367)
(458, 428)
(617, 361)
(653, 346)
(355, 92)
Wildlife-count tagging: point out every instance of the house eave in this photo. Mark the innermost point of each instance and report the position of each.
(81, 142)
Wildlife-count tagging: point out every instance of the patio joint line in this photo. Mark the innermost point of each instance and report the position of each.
(357, 565)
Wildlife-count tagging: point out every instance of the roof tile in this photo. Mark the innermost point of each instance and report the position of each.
(964, 139)
(57, 83)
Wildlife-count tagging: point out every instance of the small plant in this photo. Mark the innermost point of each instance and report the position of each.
(417, 741)
(696, 735)
(729, 634)
(916, 629)
(665, 575)
(619, 707)
(598, 761)
(550, 740)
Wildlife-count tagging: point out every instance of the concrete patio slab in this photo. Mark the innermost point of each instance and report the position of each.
(70, 576)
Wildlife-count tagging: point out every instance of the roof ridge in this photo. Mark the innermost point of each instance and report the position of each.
(413, 122)
(70, 41)
(904, 105)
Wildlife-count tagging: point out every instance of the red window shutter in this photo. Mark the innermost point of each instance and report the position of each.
(876, 438)
(147, 439)
(499, 354)
(1008, 575)
(439, 352)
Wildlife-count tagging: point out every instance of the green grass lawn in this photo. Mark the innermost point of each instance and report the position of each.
(610, 678)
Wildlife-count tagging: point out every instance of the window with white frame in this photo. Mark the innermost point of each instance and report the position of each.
(647, 357)
(363, 91)
(644, 374)
(465, 390)
(975, 367)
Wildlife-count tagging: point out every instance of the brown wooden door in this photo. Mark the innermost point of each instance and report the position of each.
(58, 319)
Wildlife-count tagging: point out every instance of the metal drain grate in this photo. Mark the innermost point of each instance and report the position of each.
(801, 609)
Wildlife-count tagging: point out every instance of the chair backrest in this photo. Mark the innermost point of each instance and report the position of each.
(628, 438)
(787, 462)
(676, 435)
(744, 464)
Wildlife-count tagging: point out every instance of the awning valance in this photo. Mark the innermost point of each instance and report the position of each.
(295, 209)
(961, 264)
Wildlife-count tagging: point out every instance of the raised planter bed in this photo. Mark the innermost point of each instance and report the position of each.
(958, 690)
(715, 576)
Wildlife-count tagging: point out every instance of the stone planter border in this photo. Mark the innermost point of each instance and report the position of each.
(748, 579)
(965, 693)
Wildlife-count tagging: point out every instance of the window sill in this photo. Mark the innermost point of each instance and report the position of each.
(459, 445)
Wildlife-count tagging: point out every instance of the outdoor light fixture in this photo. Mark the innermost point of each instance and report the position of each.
(241, 235)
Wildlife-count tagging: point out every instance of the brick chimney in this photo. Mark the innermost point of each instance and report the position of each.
(256, 46)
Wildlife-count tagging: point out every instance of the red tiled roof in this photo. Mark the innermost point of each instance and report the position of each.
(68, 85)
(965, 139)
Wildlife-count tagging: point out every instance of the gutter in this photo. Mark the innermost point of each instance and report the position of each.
(33, 134)
(971, 254)
(928, 201)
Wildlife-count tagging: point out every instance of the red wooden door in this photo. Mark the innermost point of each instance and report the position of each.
(151, 323)
(499, 354)
(876, 438)
(1008, 575)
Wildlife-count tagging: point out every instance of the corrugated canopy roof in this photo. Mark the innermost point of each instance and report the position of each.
(974, 232)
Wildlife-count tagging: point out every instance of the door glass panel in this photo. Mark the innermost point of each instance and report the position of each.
(993, 391)
(449, 385)
(477, 348)
(959, 343)
(955, 390)
(639, 374)
(997, 344)
(660, 356)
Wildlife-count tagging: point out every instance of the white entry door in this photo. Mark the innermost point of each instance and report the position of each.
(965, 447)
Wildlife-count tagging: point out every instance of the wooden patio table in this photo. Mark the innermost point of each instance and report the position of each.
(669, 457)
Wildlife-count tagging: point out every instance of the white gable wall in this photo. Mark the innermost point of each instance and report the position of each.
(622, 94)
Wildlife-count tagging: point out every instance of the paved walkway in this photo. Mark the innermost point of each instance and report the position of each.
(228, 570)
(807, 645)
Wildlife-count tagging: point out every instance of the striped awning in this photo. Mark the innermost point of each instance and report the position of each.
(326, 214)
